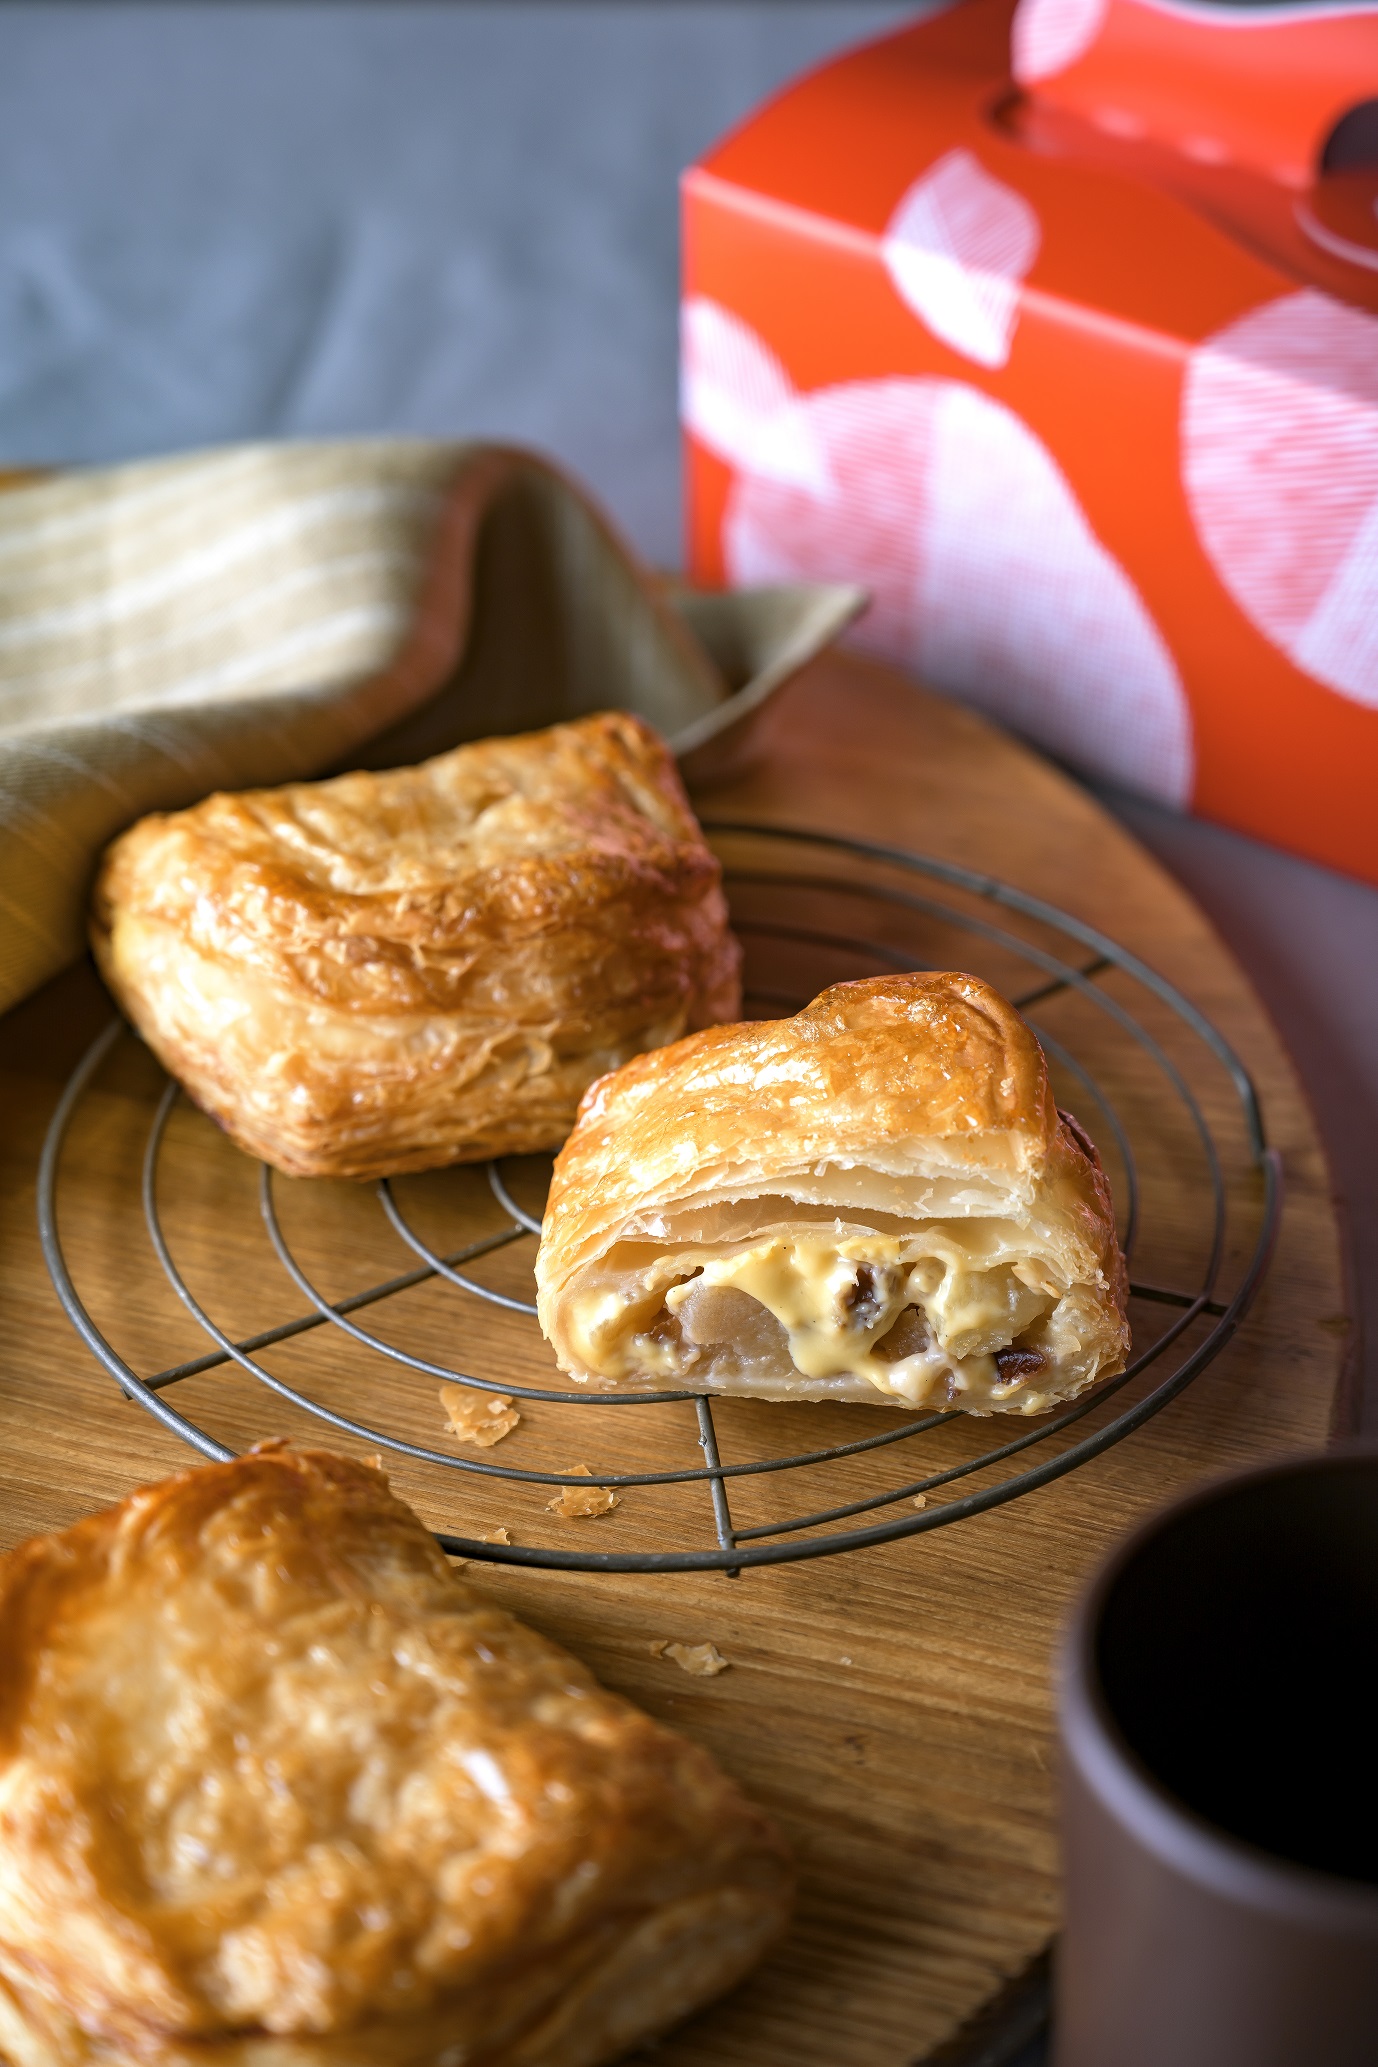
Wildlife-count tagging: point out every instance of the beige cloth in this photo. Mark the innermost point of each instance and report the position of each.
(265, 612)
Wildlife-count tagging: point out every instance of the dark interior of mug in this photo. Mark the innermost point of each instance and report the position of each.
(1238, 1655)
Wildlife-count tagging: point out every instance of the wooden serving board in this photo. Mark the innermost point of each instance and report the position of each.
(893, 1706)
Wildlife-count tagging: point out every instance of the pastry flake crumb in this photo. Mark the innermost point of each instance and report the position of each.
(482, 1418)
(921, 1500)
(498, 1535)
(579, 1503)
(700, 1661)
(658, 1647)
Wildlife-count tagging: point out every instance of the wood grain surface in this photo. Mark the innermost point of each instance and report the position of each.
(893, 1706)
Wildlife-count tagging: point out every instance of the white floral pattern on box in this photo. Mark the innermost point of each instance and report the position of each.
(956, 248)
(985, 575)
(1280, 464)
(1049, 35)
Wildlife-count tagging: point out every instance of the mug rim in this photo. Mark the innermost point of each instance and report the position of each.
(1181, 1837)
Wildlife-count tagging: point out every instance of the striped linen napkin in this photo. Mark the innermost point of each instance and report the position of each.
(266, 612)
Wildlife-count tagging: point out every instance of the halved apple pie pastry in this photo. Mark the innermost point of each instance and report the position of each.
(876, 1200)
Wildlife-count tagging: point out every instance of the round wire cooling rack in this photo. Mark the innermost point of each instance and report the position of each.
(810, 909)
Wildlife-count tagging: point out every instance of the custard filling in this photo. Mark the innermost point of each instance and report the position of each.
(924, 1317)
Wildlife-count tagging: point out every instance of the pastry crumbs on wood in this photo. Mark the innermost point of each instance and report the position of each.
(499, 1535)
(701, 1661)
(482, 1418)
(575, 1503)
(921, 1499)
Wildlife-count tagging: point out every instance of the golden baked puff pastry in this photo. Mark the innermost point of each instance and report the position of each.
(388, 972)
(874, 1200)
(279, 1789)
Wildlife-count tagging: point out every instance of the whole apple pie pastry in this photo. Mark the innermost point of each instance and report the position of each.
(279, 1788)
(388, 972)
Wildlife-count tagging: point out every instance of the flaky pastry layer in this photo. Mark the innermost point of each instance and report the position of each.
(874, 1200)
(390, 972)
(279, 1789)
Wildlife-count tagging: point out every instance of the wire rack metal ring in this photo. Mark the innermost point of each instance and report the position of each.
(871, 894)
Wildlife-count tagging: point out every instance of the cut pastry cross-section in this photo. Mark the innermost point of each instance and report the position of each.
(874, 1200)
(279, 1789)
(390, 972)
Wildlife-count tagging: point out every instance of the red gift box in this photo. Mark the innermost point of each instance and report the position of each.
(1056, 330)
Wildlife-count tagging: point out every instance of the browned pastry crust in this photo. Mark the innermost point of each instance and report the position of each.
(875, 1200)
(278, 1789)
(388, 972)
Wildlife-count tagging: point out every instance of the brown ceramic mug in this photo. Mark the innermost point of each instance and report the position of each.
(1220, 1783)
